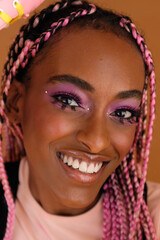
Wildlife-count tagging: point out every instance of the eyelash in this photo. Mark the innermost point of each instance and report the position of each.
(133, 119)
(62, 99)
(66, 96)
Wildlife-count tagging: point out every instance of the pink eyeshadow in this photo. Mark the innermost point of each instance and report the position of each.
(126, 103)
(69, 89)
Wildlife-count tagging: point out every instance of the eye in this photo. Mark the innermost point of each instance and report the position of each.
(67, 101)
(126, 116)
(123, 114)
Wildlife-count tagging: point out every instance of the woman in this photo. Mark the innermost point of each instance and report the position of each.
(74, 111)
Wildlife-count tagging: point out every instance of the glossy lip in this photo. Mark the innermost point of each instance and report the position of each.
(80, 176)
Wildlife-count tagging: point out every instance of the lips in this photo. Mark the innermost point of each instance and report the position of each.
(84, 168)
(79, 164)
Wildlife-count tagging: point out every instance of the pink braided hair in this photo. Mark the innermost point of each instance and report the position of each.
(125, 213)
(135, 205)
(146, 142)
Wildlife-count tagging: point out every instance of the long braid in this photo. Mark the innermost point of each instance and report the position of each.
(144, 151)
(121, 213)
(125, 213)
(149, 63)
(107, 226)
(125, 22)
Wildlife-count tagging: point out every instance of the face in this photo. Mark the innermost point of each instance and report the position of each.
(79, 116)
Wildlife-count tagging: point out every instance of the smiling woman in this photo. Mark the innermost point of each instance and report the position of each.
(73, 118)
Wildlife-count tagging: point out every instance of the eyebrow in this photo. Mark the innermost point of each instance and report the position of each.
(86, 86)
(130, 94)
(73, 80)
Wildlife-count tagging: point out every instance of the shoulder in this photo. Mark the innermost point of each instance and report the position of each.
(153, 198)
(153, 195)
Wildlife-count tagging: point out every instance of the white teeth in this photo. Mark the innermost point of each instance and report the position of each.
(75, 164)
(91, 168)
(70, 161)
(97, 167)
(83, 166)
(65, 159)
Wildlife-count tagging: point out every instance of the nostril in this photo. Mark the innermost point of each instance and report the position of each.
(86, 146)
(93, 144)
(94, 135)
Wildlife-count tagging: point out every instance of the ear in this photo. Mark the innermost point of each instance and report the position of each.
(14, 104)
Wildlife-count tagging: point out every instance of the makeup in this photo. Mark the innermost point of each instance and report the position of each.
(68, 97)
(126, 111)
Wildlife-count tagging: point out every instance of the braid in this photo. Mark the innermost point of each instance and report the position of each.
(145, 142)
(134, 198)
(125, 214)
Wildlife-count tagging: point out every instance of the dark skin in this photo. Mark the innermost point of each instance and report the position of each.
(113, 68)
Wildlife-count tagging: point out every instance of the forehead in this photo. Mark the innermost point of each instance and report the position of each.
(93, 55)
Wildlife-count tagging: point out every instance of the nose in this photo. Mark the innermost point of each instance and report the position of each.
(93, 135)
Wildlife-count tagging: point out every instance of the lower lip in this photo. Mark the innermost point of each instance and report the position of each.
(80, 176)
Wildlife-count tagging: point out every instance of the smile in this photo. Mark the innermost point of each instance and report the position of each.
(78, 164)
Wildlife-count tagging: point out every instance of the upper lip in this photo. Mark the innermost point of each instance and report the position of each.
(87, 156)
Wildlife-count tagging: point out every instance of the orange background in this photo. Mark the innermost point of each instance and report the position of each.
(145, 14)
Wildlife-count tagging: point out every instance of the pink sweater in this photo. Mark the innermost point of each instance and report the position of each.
(33, 223)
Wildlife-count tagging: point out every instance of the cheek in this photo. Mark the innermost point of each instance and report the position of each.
(123, 140)
(56, 126)
(46, 124)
